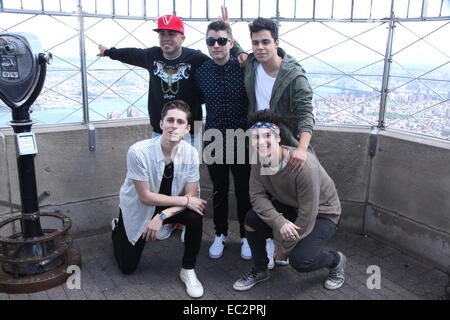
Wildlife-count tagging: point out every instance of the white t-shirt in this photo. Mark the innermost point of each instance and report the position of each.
(263, 88)
(145, 162)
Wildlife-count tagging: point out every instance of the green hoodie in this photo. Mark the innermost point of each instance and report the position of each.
(291, 97)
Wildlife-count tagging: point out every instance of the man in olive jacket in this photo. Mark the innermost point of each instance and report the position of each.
(275, 81)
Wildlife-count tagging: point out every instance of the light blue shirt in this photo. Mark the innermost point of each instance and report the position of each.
(145, 162)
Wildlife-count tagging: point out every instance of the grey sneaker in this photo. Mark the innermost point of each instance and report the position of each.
(165, 232)
(250, 279)
(336, 277)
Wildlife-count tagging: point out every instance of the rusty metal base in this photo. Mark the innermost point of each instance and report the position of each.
(39, 282)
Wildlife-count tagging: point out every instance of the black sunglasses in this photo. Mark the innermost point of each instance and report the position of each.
(221, 41)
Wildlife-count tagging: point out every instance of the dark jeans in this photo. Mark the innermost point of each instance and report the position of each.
(307, 254)
(128, 256)
(220, 176)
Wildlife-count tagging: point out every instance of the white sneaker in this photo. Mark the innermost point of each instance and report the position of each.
(282, 262)
(183, 232)
(165, 231)
(246, 251)
(193, 287)
(114, 223)
(216, 249)
(270, 249)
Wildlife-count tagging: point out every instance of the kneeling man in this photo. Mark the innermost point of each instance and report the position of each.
(302, 209)
(161, 187)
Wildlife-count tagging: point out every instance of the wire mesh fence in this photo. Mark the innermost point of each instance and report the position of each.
(342, 45)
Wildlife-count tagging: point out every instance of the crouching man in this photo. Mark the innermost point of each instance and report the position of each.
(302, 209)
(161, 187)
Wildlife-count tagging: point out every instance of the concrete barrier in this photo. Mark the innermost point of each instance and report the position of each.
(409, 198)
(400, 196)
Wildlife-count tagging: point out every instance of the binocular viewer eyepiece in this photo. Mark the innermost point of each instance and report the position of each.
(23, 67)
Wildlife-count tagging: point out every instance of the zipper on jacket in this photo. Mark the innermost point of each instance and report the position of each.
(290, 100)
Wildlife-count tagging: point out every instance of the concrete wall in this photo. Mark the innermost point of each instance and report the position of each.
(409, 198)
(343, 152)
(400, 196)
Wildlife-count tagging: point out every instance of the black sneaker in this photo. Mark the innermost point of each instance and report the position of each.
(250, 279)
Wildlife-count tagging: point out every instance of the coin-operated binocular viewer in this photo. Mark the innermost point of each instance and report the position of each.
(34, 259)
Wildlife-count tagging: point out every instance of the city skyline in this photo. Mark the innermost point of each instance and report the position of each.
(339, 103)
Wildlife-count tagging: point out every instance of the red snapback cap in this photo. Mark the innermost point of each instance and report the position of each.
(170, 22)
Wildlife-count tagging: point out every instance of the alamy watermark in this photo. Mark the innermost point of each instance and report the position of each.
(73, 282)
(374, 280)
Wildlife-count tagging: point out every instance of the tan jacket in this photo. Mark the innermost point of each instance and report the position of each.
(311, 191)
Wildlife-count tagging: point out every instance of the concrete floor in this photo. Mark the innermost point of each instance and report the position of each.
(402, 277)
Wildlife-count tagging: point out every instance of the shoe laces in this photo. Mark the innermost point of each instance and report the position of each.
(336, 273)
(249, 275)
(219, 240)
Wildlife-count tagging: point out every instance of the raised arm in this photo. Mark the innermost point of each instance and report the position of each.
(237, 50)
(134, 56)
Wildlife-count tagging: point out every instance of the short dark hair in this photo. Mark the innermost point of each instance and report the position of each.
(220, 25)
(176, 104)
(264, 24)
(264, 116)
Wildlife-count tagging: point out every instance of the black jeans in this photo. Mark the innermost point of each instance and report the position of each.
(220, 176)
(128, 256)
(307, 254)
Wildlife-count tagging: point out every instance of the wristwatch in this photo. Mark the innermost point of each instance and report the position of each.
(163, 216)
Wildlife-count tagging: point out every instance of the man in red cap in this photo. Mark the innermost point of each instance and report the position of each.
(172, 68)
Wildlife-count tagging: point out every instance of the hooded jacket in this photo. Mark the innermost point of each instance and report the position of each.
(291, 97)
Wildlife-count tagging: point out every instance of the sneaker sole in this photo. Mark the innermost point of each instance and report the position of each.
(246, 257)
(282, 263)
(215, 256)
(250, 286)
(192, 296)
(334, 287)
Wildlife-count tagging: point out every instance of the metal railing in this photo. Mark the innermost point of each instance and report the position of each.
(314, 10)
(300, 13)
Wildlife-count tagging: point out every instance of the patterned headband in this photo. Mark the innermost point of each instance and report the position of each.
(271, 126)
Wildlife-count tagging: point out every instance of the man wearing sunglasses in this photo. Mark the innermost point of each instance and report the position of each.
(221, 83)
(171, 68)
